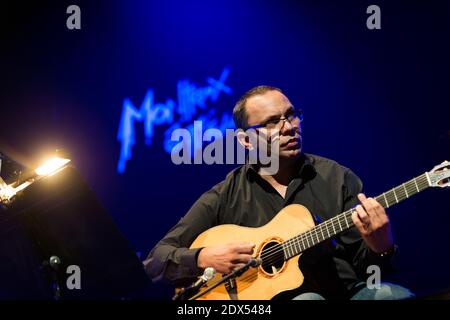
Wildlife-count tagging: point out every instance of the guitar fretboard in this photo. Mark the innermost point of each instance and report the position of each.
(343, 221)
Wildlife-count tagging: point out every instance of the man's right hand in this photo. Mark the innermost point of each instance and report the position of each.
(224, 259)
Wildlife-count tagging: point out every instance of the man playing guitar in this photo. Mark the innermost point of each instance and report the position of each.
(337, 268)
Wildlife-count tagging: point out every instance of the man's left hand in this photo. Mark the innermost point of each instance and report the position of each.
(373, 224)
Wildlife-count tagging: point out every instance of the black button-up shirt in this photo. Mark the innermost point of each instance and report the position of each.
(244, 198)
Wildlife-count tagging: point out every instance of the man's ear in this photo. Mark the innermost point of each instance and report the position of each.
(244, 140)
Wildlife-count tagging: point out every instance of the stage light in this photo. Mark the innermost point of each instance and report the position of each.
(6, 191)
(50, 166)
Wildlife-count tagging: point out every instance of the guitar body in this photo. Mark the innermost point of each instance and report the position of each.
(259, 283)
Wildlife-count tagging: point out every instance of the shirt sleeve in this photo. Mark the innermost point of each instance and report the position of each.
(351, 243)
(171, 260)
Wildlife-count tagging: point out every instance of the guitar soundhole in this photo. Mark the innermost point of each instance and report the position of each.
(273, 257)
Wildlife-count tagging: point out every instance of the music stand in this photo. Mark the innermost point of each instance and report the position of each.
(59, 217)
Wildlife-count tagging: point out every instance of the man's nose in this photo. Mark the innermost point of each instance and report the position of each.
(287, 126)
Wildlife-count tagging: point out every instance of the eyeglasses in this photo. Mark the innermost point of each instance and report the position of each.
(278, 123)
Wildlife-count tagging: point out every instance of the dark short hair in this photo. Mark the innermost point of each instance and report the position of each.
(240, 116)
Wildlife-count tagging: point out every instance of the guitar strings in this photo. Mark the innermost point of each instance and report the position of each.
(272, 255)
(343, 216)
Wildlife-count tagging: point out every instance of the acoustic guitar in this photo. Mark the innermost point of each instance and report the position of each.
(280, 243)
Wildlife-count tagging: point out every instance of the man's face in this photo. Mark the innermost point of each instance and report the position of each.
(270, 106)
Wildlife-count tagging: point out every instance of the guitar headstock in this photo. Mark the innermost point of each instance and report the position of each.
(440, 175)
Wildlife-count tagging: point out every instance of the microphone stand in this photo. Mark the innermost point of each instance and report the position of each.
(235, 273)
(181, 293)
(52, 267)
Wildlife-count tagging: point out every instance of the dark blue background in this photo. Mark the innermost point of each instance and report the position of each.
(375, 101)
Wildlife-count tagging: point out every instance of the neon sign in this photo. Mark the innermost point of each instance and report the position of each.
(190, 100)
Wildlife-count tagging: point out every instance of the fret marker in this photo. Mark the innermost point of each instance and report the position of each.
(406, 191)
(417, 187)
(393, 191)
(297, 244)
(385, 200)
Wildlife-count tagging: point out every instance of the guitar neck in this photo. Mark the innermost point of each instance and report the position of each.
(343, 221)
